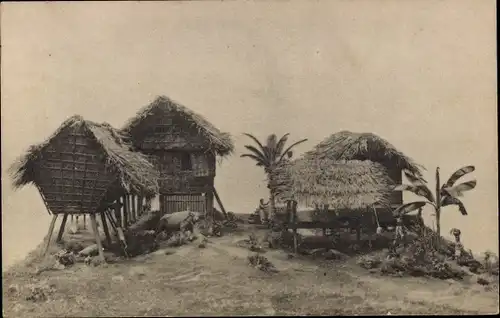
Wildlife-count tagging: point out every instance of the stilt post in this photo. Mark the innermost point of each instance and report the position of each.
(294, 217)
(219, 202)
(93, 222)
(61, 228)
(134, 208)
(105, 228)
(49, 235)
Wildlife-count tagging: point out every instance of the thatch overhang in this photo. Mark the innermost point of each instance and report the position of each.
(220, 143)
(350, 185)
(134, 172)
(347, 145)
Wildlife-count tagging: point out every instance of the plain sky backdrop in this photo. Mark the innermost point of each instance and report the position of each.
(421, 74)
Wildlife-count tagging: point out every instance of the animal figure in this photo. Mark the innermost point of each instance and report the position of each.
(178, 221)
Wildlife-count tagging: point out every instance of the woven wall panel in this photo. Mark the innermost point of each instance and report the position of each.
(73, 175)
(173, 179)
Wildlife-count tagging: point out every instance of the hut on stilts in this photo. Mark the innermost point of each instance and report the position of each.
(347, 145)
(346, 177)
(331, 188)
(84, 168)
(183, 146)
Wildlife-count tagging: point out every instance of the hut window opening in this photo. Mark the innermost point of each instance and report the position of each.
(186, 163)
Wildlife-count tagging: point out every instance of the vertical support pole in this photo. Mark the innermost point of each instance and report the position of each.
(134, 208)
(139, 206)
(161, 200)
(61, 228)
(111, 220)
(125, 212)
(358, 230)
(209, 202)
(105, 228)
(85, 221)
(93, 222)
(49, 235)
(294, 217)
(220, 203)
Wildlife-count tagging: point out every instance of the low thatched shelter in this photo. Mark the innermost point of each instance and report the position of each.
(183, 146)
(83, 168)
(339, 184)
(346, 145)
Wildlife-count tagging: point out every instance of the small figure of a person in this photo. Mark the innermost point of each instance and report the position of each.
(263, 211)
(400, 231)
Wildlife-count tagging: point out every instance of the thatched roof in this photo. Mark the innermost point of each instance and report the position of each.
(219, 142)
(136, 173)
(346, 145)
(341, 184)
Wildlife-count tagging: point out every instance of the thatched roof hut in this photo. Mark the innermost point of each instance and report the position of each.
(155, 127)
(83, 166)
(346, 145)
(341, 184)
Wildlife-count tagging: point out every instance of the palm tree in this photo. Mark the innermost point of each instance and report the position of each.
(445, 195)
(269, 156)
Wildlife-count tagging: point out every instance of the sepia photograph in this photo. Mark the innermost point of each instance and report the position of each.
(249, 158)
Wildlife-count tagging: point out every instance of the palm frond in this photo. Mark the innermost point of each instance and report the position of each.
(261, 146)
(415, 180)
(447, 200)
(420, 190)
(256, 152)
(458, 190)
(290, 148)
(457, 175)
(271, 141)
(281, 145)
(408, 207)
(254, 157)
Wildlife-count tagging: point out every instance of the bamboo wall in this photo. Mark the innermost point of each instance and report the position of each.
(72, 175)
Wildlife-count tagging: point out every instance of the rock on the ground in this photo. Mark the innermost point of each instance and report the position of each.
(91, 250)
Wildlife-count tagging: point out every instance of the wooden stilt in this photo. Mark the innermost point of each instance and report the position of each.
(117, 213)
(49, 235)
(125, 212)
(93, 223)
(220, 203)
(111, 220)
(139, 205)
(134, 210)
(161, 200)
(209, 201)
(105, 228)
(61, 228)
(294, 214)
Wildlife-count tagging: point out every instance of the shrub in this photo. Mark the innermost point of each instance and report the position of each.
(262, 263)
(254, 244)
(65, 258)
(40, 292)
(369, 261)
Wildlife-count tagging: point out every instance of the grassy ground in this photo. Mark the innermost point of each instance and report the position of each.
(217, 280)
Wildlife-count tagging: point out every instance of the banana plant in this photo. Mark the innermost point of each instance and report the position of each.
(446, 194)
